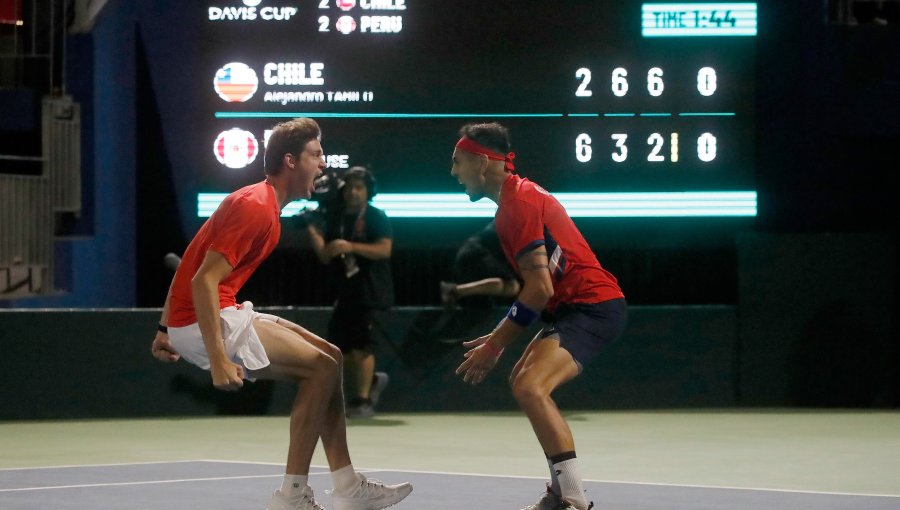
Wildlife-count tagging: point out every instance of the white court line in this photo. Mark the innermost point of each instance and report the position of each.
(622, 482)
(149, 463)
(150, 482)
(252, 462)
(373, 470)
(723, 487)
(64, 466)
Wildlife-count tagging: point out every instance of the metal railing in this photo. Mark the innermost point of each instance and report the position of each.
(28, 203)
(26, 236)
(61, 126)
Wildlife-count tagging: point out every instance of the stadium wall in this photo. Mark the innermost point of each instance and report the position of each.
(66, 364)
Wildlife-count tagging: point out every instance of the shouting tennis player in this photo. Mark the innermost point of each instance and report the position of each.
(203, 323)
(582, 302)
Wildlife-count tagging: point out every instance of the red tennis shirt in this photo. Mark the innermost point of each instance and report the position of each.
(527, 217)
(244, 229)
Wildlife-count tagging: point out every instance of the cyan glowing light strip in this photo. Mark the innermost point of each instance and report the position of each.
(336, 115)
(341, 115)
(681, 19)
(578, 205)
(707, 114)
(664, 114)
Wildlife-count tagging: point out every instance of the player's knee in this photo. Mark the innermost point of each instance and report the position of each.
(512, 379)
(527, 389)
(325, 368)
(336, 354)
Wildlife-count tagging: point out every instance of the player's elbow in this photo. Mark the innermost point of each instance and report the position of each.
(202, 281)
(538, 290)
(545, 290)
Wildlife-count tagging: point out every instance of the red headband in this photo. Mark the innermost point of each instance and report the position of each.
(469, 145)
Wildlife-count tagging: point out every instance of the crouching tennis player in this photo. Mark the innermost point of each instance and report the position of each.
(581, 302)
(203, 323)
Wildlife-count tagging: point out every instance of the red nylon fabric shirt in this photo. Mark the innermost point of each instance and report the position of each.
(527, 217)
(244, 229)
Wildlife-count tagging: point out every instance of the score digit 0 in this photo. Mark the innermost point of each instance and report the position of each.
(706, 148)
(706, 82)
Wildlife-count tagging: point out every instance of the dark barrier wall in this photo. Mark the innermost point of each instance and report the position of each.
(818, 320)
(97, 364)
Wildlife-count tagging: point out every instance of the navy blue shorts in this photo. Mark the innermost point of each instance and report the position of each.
(585, 328)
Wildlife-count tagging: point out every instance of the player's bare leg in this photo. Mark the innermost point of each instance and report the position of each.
(317, 375)
(352, 490)
(544, 367)
(334, 429)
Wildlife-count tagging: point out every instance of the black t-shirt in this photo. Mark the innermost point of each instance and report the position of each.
(480, 257)
(373, 285)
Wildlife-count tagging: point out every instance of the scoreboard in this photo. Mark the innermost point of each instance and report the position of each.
(621, 109)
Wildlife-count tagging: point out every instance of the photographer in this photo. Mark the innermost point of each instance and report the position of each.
(354, 239)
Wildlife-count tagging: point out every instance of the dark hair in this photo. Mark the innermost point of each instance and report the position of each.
(363, 174)
(491, 135)
(289, 137)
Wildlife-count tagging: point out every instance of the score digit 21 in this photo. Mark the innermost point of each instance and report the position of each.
(660, 147)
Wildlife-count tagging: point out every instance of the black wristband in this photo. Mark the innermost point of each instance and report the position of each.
(162, 329)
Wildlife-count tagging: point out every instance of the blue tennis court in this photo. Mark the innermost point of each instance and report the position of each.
(660, 460)
(221, 485)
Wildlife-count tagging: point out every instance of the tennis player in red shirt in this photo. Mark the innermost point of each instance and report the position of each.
(203, 323)
(564, 285)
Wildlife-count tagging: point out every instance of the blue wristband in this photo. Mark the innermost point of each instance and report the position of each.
(521, 314)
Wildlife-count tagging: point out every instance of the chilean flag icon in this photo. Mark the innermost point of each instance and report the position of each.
(236, 82)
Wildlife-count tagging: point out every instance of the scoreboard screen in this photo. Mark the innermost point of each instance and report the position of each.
(621, 109)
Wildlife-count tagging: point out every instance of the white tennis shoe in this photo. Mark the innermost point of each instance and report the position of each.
(565, 505)
(549, 501)
(370, 494)
(303, 500)
(553, 501)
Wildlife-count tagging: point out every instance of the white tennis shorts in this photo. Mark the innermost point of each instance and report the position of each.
(242, 344)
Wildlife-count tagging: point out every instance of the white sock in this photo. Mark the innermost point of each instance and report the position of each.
(345, 479)
(293, 484)
(570, 486)
(554, 478)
